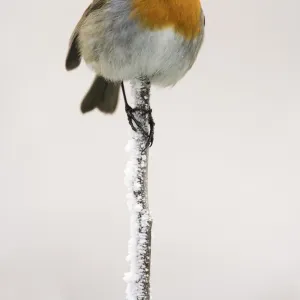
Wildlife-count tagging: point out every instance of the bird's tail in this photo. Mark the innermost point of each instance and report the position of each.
(103, 95)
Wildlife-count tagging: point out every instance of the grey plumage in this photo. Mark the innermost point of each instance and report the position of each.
(102, 94)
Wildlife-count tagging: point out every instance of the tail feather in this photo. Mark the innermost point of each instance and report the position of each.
(102, 95)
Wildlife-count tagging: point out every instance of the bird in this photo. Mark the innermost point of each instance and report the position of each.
(123, 40)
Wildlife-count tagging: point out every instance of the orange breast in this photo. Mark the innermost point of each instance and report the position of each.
(183, 15)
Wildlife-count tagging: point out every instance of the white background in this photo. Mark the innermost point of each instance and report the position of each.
(224, 170)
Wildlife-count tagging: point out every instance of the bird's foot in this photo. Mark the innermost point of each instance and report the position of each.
(135, 124)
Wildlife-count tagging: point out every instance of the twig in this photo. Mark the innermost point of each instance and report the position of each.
(138, 279)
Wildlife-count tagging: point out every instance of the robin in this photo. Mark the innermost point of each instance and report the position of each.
(127, 39)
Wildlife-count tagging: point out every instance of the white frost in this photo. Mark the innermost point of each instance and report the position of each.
(137, 202)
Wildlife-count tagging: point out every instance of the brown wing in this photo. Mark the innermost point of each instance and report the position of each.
(74, 56)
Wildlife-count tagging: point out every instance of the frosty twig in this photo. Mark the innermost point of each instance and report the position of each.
(138, 279)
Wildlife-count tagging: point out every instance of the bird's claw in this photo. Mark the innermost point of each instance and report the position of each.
(136, 124)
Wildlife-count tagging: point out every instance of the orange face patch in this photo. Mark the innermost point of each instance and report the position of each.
(183, 15)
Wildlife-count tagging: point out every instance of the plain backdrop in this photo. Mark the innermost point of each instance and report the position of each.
(224, 168)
